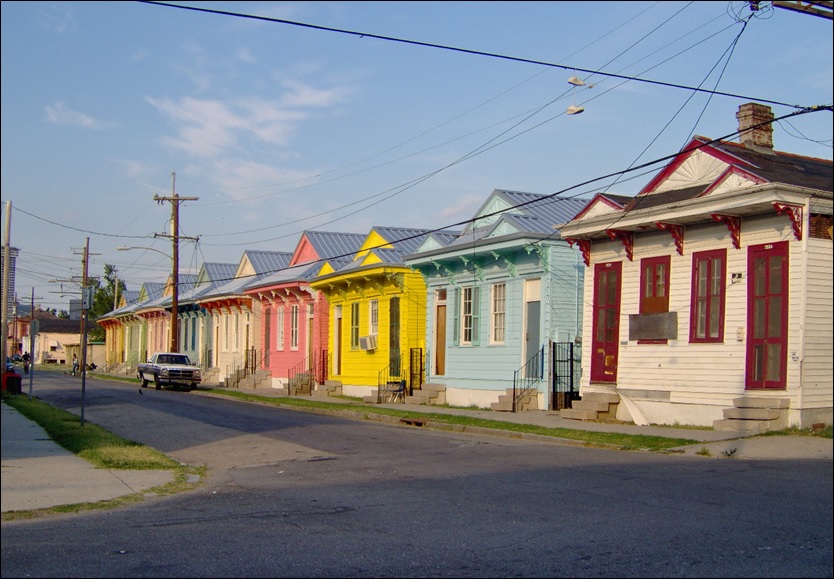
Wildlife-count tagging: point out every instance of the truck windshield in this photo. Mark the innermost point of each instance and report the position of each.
(182, 360)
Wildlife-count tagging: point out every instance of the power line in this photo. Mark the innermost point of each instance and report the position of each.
(466, 51)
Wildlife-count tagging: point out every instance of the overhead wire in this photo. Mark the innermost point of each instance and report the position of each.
(456, 49)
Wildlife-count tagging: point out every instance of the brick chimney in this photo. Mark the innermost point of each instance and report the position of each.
(752, 114)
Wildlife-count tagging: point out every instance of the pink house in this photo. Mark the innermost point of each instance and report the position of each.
(294, 317)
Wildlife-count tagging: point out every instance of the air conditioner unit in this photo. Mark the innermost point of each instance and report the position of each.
(367, 342)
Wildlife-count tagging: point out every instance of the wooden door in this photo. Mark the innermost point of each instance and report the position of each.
(767, 316)
(606, 321)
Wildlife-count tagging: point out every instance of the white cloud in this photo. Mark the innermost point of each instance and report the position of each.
(464, 208)
(209, 128)
(245, 55)
(59, 114)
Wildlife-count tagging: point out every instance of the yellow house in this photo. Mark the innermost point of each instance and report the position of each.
(377, 329)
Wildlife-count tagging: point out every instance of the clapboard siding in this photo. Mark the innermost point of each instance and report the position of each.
(818, 367)
(714, 373)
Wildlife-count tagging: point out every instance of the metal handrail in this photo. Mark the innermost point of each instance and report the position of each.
(528, 377)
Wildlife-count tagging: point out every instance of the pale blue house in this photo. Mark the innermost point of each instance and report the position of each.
(498, 295)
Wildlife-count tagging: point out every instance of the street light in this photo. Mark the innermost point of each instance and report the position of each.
(174, 296)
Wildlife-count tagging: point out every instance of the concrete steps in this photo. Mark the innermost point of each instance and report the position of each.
(428, 394)
(260, 379)
(593, 406)
(751, 414)
(529, 401)
(333, 387)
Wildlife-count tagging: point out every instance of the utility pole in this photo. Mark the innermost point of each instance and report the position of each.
(86, 302)
(7, 264)
(175, 256)
(820, 9)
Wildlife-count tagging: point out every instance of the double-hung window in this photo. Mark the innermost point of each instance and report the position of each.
(294, 327)
(354, 326)
(467, 316)
(279, 338)
(373, 317)
(706, 318)
(498, 315)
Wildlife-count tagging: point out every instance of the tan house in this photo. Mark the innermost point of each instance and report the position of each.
(708, 296)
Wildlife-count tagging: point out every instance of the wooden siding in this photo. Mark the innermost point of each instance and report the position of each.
(490, 366)
(362, 367)
(818, 368)
(714, 373)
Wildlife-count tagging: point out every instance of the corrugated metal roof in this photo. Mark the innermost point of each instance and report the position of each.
(335, 246)
(266, 262)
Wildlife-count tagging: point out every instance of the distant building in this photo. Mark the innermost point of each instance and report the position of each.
(13, 251)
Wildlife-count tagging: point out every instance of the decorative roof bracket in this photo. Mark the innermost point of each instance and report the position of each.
(733, 223)
(584, 246)
(794, 213)
(626, 237)
(677, 234)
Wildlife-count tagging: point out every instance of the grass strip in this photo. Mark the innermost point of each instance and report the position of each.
(614, 440)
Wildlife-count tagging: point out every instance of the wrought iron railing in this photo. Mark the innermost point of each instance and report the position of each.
(392, 383)
(309, 372)
(527, 378)
(566, 371)
(242, 367)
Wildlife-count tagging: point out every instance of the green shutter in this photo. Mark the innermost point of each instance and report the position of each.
(456, 320)
(476, 316)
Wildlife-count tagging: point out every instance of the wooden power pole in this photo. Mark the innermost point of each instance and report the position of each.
(175, 256)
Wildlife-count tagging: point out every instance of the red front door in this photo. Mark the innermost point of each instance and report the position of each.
(767, 316)
(606, 320)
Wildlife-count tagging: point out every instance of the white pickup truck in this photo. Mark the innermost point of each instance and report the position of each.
(168, 368)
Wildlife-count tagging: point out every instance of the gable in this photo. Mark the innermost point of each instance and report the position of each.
(733, 179)
(245, 267)
(372, 241)
(698, 168)
(304, 252)
(502, 228)
(494, 205)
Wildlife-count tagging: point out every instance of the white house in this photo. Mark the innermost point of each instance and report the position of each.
(708, 298)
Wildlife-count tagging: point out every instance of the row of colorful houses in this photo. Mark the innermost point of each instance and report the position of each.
(708, 299)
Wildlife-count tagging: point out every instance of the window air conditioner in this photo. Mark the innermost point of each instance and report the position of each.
(367, 342)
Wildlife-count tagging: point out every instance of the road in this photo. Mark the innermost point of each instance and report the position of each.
(293, 494)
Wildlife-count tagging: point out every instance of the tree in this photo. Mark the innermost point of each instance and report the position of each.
(104, 298)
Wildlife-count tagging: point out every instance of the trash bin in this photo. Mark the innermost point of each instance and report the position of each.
(12, 383)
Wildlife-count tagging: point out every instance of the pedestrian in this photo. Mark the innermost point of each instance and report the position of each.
(74, 365)
(25, 362)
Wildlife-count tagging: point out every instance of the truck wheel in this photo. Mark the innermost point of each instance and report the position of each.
(156, 382)
(144, 380)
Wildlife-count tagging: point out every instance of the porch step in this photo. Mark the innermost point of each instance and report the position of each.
(575, 414)
(428, 394)
(260, 379)
(752, 414)
(211, 376)
(333, 387)
(525, 402)
(593, 406)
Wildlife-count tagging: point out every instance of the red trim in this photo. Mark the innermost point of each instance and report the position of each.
(627, 238)
(598, 198)
(696, 143)
(677, 234)
(767, 294)
(794, 213)
(733, 170)
(605, 333)
(733, 224)
(584, 248)
(704, 259)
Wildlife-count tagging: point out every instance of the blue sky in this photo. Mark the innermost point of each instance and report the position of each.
(279, 128)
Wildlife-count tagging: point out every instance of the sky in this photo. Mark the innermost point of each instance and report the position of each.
(342, 116)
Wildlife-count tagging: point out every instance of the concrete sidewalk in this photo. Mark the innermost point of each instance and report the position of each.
(38, 474)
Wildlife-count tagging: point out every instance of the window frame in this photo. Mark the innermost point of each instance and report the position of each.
(498, 316)
(712, 283)
(354, 326)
